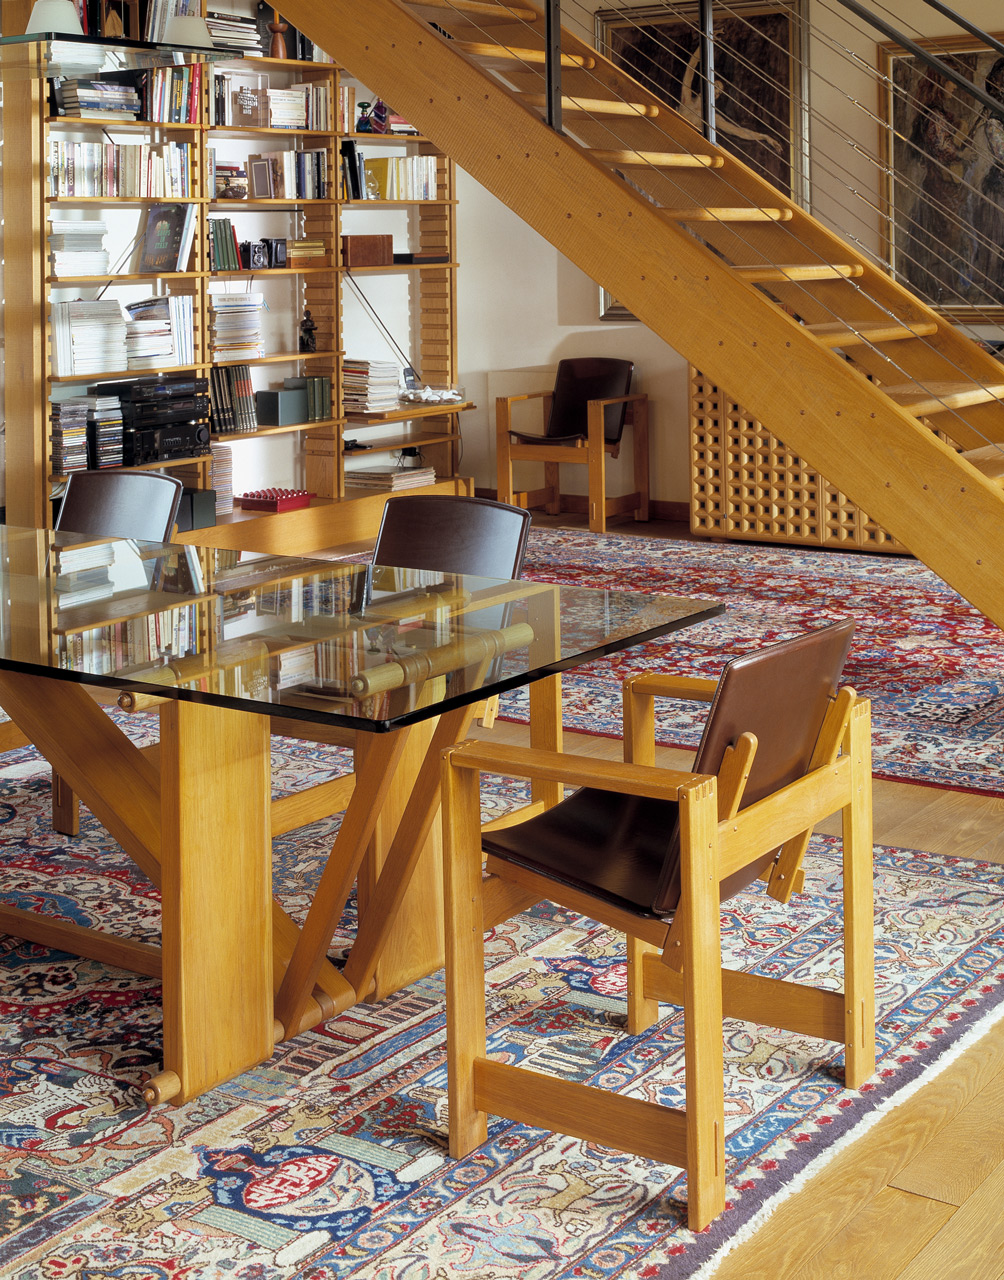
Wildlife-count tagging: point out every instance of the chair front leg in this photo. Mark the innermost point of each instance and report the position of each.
(597, 468)
(859, 943)
(642, 1010)
(702, 993)
(503, 456)
(465, 954)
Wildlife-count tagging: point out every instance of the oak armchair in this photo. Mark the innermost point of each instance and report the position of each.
(584, 418)
(652, 852)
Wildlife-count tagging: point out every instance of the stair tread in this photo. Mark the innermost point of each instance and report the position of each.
(498, 53)
(481, 7)
(739, 213)
(656, 159)
(924, 399)
(989, 459)
(597, 106)
(838, 333)
(799, 271)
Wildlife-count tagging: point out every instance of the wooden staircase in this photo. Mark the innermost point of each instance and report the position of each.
(878, 392)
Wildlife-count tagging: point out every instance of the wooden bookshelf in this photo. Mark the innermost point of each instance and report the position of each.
(306, 283)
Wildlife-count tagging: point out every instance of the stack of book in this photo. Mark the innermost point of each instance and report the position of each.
(77, 248)
(370, 386)
(160, 332)
(104, 432)
(287, 108)
(82, 574)
(97, 100)
(297, 251)
(236, 326)
(234, 30)
(88, 336)
(391, 477)
(222, 473)
(69, 435)
(233, 401)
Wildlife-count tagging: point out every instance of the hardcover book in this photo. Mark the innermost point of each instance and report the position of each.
(167, 240)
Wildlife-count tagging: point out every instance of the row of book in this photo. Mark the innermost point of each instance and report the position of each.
(155, 638)
(224, 249)
(288, 175)
(247, 101)
(96, 100)
(160, 170)
(233, 402)
(170, 95)
(375, 177)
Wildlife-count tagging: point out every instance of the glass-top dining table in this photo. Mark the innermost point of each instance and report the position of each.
(230, 647)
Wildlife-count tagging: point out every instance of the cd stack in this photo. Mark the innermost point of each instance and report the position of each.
(370, 386)
(236, 326)
(104, 431)
(222, 472)
(69, 435)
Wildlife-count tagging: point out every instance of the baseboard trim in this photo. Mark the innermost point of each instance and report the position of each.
(577, 504)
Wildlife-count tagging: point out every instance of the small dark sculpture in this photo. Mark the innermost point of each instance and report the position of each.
(308, 328)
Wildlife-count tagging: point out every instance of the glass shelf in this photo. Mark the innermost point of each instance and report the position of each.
(48, 55)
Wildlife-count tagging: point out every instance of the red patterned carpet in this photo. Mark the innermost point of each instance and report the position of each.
(931, 664)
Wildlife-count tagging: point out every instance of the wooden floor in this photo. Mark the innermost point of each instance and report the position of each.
(921, 1195)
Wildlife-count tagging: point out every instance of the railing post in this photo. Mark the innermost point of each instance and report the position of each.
(707, 21)
(552, 64)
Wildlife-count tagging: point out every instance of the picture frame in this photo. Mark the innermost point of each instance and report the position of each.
(761, 105)
(943, 191)
(259, 179)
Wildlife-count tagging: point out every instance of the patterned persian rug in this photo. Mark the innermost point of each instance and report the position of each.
(931, 664)
(331, 1160)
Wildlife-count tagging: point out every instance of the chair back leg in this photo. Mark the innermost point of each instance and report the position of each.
(639, 434)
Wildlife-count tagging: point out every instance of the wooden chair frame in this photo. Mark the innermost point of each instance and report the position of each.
(590, 452)
(678, 963)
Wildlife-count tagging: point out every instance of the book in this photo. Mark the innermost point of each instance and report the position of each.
(167, 238)
(391, 477)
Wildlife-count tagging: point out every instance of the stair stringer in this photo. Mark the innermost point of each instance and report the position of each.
(915, 485)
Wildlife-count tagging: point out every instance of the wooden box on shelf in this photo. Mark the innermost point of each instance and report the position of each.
(367, 251)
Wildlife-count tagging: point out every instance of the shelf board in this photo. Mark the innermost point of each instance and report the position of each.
(225, 437)
(348, 203)
(117, 375)
(124, 277)
(406, 412)
(294, 65)
(400, 266)
(236, 129)
(292, 202)
(106, 200)
(162, 465)
(107, 613)
(282, 357)
(268, 271)
(127, 122)
(385, 137)
(414, 440)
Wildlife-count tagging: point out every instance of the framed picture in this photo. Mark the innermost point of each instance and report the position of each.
(760, 100)
(259, 179)
(943, 152)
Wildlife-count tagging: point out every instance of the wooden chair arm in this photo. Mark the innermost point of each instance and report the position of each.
(528, 395)
(661, 684)
(573, 770)
(635, 397)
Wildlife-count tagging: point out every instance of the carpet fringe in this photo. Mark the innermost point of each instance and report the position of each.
(884, 1108)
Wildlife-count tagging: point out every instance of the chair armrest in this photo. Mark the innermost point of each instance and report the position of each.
(634, 397)
(528, 395)
(668, 685)
(573, 770)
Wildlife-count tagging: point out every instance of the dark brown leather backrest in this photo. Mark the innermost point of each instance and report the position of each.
(120, 504)
(583, 379)
(781, 694)
(454, 534)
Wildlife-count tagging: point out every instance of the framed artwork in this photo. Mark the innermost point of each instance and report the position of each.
(760, 102)
(943, 152)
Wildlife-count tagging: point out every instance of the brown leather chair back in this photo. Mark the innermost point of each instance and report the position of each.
(781, 694)
(120, 504)
(454, 534)
(586, 378)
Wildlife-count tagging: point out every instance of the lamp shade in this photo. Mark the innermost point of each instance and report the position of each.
(188, 31)
(54, 15)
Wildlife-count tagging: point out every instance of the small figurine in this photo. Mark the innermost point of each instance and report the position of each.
(378, 117)
(308, 327)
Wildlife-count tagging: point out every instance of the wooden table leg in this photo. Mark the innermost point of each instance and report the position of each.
(217, 894)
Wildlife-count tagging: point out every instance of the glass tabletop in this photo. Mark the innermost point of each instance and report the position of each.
(367, 647)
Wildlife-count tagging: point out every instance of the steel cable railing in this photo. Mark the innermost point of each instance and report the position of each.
(832, 168)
